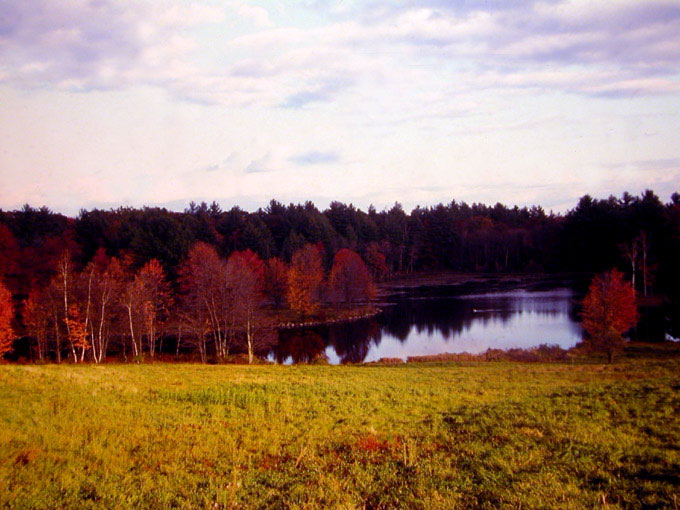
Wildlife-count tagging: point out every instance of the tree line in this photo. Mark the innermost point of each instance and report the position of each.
(125, 279)
(213, 305)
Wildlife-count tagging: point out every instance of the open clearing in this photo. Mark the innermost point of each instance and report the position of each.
(411, 436)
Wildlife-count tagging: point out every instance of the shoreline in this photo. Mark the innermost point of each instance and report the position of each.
(334, 320)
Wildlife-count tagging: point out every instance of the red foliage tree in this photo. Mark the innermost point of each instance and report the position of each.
(9, 253)
(305, 277)
(376, 261)
(276, 280)
(609, 310)
(155, 294)
(6, 314)
(105, 281)
(350, 281)
(146, 299)
(206, 307)
(37, 314)
(245, 277)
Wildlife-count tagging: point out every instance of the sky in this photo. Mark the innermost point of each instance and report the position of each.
(108, 103)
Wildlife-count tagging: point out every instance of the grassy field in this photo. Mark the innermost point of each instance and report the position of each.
(484, 435)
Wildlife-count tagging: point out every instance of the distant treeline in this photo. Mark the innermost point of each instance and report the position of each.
(121, 281)
(457, 236)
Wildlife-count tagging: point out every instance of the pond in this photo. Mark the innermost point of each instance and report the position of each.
(452, 319)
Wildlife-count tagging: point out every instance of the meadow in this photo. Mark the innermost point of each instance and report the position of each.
(448, 435)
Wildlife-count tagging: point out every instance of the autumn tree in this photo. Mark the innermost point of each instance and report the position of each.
(6, 314)
(63, 283)
(350, 280)
(105, 282)
(245, 278)
(146, 299)
(132, 299)
(276, 280)
(305, 277)
(9, 254)
(205, 299)
(54, 301)
(37, 315)
(376, 261)
(77, 331)
(609, 310)
(155, 300)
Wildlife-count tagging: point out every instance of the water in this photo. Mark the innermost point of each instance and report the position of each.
(435, 320)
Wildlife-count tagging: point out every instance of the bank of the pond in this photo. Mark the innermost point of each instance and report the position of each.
(337, 316)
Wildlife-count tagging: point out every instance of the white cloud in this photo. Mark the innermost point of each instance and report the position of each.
(92, 45)
(257, 15)
(360, 98)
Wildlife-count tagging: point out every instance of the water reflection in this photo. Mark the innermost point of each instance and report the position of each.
(436, 320)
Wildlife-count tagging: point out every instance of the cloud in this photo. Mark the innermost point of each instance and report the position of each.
(646, 165)
(315, 158)
(611, 49)
(259, 16)
(322, 93)
(228, 163)
(83, 45)
(259, 166)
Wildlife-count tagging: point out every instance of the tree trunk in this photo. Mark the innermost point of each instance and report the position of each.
(135, 353)
(249, 337)
(57, 337)
(87, 315)
(100, 333)
(64, 275)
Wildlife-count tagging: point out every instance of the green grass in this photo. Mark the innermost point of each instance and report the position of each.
(484, 435)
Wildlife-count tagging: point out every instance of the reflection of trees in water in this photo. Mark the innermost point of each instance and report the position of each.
(446, 317)
(449, 317)
(301, 345)
(352, 340)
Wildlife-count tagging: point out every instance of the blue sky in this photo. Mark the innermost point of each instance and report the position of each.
(107, 103)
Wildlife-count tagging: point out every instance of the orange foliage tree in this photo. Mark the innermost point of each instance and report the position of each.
(350, 281)
(6, 315)
(155, 297)
(305, 277)
(77, 331)
(609, 310)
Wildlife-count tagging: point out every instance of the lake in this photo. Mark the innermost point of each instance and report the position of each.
(454, 319)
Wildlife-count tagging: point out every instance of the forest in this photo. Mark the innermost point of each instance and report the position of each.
(207, 283)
